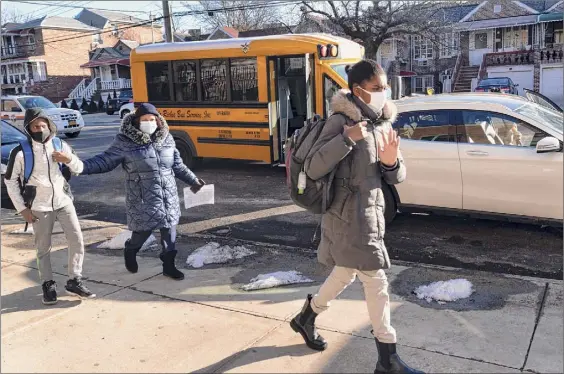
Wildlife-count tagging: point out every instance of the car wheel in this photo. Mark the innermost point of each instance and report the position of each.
(72, 134)
(185, 153)
(110, 112)
(391, 207)
(124, 113)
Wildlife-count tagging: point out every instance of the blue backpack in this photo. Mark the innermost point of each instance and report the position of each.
(29, 162)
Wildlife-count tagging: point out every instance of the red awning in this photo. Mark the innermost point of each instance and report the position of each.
(112, 61)
(405, 73)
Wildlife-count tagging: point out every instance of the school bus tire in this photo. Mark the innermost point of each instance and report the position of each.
(185, 153)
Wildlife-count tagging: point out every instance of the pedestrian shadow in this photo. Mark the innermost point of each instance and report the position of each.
(29, 299)
(257, 354)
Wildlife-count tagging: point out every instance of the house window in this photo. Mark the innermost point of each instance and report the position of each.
(481, 40)
(244, 82)
(214, 80)
(449, 44)
(553, 33)
(421, 83)
(158, 75)
(422, 48)
(516, 37)
(185, 80)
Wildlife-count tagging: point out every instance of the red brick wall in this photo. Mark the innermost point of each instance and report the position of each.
(141, 34)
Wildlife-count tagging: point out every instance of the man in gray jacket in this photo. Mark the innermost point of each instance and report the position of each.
(46, 197)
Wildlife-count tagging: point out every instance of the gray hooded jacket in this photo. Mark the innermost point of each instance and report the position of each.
(354, 226)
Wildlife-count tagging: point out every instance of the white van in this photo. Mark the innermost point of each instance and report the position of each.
(68, 121)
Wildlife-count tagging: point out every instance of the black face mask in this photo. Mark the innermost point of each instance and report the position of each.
(40, 136)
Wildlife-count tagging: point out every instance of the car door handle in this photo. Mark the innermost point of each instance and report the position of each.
(477, 153)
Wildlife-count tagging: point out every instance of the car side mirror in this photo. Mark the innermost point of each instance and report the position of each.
(16, 109)
(516, 85)
(548, 144)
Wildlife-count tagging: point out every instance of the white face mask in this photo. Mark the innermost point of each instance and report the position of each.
(148, 127)
(377, 100)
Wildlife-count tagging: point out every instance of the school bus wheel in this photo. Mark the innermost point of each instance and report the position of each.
(185, 152)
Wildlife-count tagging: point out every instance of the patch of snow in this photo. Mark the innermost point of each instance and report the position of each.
(443, 291)
(223, 231)
(118, 242)
(279, 278)
(213, 253)
(21, 231)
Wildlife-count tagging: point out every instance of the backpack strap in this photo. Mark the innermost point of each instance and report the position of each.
(29, 160)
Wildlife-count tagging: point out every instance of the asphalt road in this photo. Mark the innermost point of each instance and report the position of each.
(243, 187)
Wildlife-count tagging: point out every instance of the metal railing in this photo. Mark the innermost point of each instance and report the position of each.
(117, 84)
(78, 90)
(91, 89)
(456, 71)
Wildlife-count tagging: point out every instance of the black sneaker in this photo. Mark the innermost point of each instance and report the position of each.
(49, 292)
(76, 287)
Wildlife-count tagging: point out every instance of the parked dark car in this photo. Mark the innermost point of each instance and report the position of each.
(501, 84)
(124, 97)
(11, 137)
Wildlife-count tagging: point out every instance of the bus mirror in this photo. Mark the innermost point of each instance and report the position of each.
(396, 85)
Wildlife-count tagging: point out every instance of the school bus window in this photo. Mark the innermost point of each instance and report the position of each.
(244, 82)
(214, 80)
(158, 86)
(330, 88)
(185, 83)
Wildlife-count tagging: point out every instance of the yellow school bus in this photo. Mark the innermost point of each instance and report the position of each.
(241, 98)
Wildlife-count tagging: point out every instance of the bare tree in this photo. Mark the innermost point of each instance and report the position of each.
(12, 15)
(242, 15)
(372, 22)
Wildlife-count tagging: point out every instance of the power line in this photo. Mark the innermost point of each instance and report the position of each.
(186, 13)
(71, 6)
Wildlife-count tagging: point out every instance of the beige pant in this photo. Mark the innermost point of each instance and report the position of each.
(376, 294)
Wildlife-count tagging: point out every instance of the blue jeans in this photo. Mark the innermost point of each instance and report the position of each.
(168, 239)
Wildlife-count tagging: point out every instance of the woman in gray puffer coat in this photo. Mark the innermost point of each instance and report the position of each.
(358, 142)
(148, 154)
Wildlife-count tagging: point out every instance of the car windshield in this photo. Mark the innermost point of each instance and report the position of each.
(10, 135)
(540, 114)
(36, 102)
(494, 81)
(126, 94)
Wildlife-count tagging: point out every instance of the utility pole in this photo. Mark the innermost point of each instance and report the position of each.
(167, 22)
(152, 27)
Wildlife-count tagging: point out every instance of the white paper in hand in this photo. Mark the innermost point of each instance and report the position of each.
(203, 197)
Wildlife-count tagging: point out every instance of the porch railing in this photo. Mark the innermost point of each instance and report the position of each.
(9, 51)
(550, 55)
(117, 84)
(456, 71)
(510, 58)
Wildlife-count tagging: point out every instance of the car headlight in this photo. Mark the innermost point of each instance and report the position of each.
(54, 117)
(3, 169)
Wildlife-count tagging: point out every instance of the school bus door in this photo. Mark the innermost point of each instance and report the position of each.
(273, 110)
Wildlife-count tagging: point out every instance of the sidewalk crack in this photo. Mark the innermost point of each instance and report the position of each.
(537, 320)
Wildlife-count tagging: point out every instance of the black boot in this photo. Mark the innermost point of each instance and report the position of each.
(130, 256)
(169, 269)
(390, 362)
(304, 323)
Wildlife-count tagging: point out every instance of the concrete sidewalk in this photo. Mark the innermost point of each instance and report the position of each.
(145, 322)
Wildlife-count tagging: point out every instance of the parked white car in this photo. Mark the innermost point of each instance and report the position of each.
(68, 121)
(126, 109)
(483, 154)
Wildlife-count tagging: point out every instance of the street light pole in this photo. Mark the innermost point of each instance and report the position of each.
(167, 22)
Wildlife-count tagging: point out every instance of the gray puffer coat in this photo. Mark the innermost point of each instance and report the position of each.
(150, 163)
(353, 227)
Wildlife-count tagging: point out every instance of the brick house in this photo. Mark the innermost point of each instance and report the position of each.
(37, 59)
(49, 56)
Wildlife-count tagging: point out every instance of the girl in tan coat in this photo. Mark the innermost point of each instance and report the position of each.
(357, 141)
